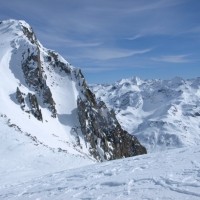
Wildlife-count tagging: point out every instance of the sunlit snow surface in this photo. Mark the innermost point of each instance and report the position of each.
(174, 174)
(21, 158)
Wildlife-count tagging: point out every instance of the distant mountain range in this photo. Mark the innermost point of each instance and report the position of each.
(163, 114)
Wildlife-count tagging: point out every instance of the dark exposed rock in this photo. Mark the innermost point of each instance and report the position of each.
(53, 59)
(32, 102)
(103, 132)
(48, 99)
(29, 34)
(34, 106)
(33, 73)
(20, 97)
(197, 114)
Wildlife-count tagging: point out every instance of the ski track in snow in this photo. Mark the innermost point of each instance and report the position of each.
(174, 174)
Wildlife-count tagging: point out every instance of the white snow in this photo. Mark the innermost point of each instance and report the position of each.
(173, 174)
(22, 158)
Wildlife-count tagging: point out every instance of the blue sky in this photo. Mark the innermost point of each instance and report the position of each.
(114, 39)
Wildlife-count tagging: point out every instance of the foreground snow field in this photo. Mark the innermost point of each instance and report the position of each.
(22, 158)
(174, 174)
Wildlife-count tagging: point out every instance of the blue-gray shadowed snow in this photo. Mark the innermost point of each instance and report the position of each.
(47, 100)
(163, 114)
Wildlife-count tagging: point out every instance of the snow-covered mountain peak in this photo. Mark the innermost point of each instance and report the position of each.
(17, 28)
(134, 80)
(48, 99)
(13, 26)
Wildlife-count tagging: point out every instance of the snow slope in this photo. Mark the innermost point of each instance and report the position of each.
(53, 132)
(163, 114)
(23, 157)
(174, 174)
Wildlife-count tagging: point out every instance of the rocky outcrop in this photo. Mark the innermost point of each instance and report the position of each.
(20, 98)
(54, 61)
(103, 133)
(29, 33)
(29, 104)
(34, 106)
(35, 78)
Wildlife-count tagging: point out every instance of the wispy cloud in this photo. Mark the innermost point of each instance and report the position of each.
(172, 59)
(98, 69)
(107, 54)
(98, 18)
(102, 33)
(54, 40)
(75, 43)
(141, 6)
(135, 37)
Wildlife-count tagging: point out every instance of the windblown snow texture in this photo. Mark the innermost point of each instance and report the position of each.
(172, 174)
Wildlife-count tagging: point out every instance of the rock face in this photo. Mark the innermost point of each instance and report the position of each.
(49, 85)
(34, 106)
(34, 72)
(104, 133)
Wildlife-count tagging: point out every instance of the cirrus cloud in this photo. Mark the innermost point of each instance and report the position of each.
(172, 59)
